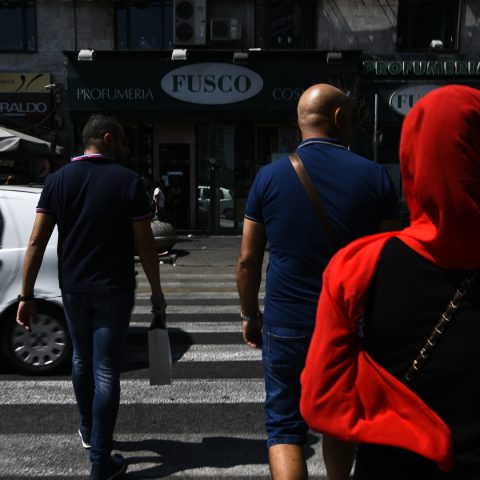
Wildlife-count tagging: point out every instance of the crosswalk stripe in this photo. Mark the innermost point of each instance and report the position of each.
(205, 391)
(198, 295)
(189, 284)
(202, 353)
(144, 309)
(197, 276)
(196, 327)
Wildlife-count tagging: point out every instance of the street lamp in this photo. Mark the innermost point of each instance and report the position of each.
(53, 88)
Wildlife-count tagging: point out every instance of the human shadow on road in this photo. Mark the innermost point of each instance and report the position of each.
(170, 457)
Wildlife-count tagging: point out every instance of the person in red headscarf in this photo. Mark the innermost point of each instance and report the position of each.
(383, 295)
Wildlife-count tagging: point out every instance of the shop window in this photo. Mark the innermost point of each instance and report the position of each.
(285, 24)
(421, 21)
(18, 32)
(144, 24)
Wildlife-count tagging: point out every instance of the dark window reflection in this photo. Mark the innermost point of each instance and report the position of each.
(144, 25)
(285, 24)
(18, 26)
(421, 21)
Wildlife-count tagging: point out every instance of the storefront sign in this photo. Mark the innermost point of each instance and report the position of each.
(24, 98)
(26, 108)
(422, 68)
(132, 94)
(212, 83)
(24, 82)
(269, 82)
(405, 98)
(20, 108)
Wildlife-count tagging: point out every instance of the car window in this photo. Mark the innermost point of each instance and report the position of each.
(202, 193)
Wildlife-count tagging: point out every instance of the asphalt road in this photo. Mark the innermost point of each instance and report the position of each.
(208, 424)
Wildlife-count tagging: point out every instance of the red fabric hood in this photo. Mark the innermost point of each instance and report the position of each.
(440, 165)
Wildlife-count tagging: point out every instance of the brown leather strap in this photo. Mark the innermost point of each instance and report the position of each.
(313, 195)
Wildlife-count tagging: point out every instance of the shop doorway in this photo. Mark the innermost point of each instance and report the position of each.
(228, 158)
(215, 177)
(225, 159)
(175, 182)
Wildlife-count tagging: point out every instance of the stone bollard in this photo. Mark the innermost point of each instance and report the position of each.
(165, 235)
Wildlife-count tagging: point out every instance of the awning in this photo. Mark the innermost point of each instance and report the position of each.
(18, 142)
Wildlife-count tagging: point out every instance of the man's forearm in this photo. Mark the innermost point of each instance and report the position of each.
(249, 265)
(31, 267)
(249, 276)
(41, 232)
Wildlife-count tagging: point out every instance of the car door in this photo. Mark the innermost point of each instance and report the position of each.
(9, 246)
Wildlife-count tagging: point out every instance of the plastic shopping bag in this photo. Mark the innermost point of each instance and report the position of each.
(159, 355)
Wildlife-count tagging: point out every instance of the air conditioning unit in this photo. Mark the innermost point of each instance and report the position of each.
(222, 29)
(189, 22)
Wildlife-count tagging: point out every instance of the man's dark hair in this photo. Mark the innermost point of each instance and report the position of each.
(97, 126)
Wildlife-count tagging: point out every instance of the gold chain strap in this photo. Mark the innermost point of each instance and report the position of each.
(437, 332)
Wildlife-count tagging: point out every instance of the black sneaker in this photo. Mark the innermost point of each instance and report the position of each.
(85, 438)
(113, 468)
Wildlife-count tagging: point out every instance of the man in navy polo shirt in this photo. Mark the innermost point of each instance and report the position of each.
(101, 209)
(357, 195)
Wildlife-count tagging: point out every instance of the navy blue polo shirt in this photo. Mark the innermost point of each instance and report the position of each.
(94, 201)
(357, 195)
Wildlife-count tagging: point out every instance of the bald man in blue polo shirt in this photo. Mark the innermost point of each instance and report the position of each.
(101, 209)
(357, 195)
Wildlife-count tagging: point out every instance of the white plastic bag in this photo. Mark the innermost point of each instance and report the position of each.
(159, 356)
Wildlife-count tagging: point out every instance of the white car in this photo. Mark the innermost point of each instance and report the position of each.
(224, 196)
(48, 348)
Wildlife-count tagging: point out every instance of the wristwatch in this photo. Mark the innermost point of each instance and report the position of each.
(251, 318)
(25, 298)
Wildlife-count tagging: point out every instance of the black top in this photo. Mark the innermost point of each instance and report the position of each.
(94, 201)
(407, 297)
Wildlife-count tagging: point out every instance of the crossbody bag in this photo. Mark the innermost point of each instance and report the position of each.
(315, 199)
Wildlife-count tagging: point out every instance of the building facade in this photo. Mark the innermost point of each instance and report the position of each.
(207, 89)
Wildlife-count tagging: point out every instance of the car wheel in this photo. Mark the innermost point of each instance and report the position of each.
(47, 350)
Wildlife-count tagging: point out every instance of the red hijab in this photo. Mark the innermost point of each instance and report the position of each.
(345, 394)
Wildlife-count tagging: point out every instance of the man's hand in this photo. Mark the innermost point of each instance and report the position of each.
(252, 332)
(26, 312)
(159, 314)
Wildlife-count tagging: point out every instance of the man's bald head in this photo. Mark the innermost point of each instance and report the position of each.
(325, 111)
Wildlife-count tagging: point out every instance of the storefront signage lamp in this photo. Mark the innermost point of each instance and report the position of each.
(86, 55)
(179, 54)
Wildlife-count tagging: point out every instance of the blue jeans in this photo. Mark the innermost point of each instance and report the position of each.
(284, 353)
(98, 324)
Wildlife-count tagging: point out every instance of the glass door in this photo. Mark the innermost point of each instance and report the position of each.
(228, 158)
(175, 175)
(221, 152)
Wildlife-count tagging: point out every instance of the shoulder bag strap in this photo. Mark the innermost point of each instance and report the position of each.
(313, 195)
(437, 332)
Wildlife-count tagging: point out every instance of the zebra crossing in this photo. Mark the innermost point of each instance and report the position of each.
(208, 424)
